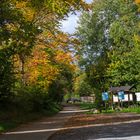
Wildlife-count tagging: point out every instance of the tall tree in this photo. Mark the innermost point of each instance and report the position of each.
(124, 66)
(108, 28)
(23, 25)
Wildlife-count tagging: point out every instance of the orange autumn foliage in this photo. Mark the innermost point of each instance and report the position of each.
(40, 70)
(137, 1)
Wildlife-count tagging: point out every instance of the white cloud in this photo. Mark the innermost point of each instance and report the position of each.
(70, 24)
(88, 1)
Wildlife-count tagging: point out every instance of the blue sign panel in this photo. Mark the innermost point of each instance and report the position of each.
(121, 95)
(105, 96)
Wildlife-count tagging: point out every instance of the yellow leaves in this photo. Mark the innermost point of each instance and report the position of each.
(33, 75)
(137, 1)
(11, 27)
(59, 40)
(21, 4)
(49, 35)
(63, 57)
(42, 74)
(47, 60)
(62, 36)
(28, 12)
(137, 38)
(40, 70)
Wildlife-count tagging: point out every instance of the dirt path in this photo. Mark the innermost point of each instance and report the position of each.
(41, 130)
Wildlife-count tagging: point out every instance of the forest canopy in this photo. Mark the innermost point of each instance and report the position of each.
(39, 63)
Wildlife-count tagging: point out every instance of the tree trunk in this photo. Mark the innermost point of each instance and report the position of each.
(22, 69)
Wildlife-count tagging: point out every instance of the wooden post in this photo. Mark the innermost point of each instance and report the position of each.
(119, 102)
(105, 106)
(112, 101)
(128, 99)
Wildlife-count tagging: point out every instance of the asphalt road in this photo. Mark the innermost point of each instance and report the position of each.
(124, 131)
(41, 129)
(56, 128)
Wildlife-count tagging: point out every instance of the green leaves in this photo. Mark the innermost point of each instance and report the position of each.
(82, 86)
(108, 34)
(124, 66)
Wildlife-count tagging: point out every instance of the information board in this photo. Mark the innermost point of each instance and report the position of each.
(105, 96)
(121, 95)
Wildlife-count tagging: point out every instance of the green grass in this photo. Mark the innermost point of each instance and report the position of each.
(131, 109)
(108, 111)
(87, 105)
(4, 126)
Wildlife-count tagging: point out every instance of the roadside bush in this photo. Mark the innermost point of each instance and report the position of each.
(33, 99)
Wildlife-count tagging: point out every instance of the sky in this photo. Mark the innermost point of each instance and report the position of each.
(70, 23)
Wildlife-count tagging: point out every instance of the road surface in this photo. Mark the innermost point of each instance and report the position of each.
(42, 129)
(122, 131)
(72, 124)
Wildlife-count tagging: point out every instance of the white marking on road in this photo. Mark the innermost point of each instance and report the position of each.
(120, 138)
(73, 111)
(66, 128)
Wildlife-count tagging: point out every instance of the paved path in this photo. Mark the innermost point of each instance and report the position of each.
(128, 130)
(41, 130)
(56, 128)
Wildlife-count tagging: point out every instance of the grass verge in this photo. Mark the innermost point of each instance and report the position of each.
(90, 106)
(87, 105)
(132, 109)
(10, 120)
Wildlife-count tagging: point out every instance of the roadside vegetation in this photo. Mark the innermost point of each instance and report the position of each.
(109, 52)
(133, 109)
(13, 117)
(36, 63)
(92, 109)
(87, 105)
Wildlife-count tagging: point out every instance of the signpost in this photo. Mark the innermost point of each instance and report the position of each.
(105, 97)
(121, 96)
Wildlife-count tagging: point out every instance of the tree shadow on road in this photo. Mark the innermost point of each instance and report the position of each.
(105, 132)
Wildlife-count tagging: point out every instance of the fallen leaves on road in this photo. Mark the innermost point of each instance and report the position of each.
(85, 119)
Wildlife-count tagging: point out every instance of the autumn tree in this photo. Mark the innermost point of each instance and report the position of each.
(34, 53)
(11, 42)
